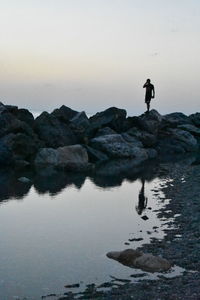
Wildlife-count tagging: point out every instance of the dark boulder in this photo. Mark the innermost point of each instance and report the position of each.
(105, 131)
(54, 132)
(147, 139)
(175, 119)
(149, 122)
(112, 117)
(190, 128)
(21, 114)
(6, 155)
(195, 118)
(95, 155)
(64, 113)
(177, 141)
(22, 145)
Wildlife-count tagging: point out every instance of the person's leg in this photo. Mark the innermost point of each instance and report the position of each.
(148, 105)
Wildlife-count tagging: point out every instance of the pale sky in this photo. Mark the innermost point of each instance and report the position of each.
(92, 54)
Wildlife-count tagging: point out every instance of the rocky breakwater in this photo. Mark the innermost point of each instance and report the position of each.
(69, 140)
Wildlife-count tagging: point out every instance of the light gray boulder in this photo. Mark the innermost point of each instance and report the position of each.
(74, 158)
(137, 259)
(117, 147)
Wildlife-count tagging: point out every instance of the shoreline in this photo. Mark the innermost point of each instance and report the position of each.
(180, 245)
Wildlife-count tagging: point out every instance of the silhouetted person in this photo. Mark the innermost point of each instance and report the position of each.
(150, 93)
(142, 200)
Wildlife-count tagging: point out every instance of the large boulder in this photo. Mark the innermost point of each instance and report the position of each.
(149, 122)
(105, 131)
(54, 132)
(175, 119)
(21, 114)
(21, 145)
(146, 138)
(64, 113)
(73, 158)
(6, 155)
(176, 140)
(152, 121)
(137, 259)
(117, 147)
(79, 124)
(112, 117)
(190, 128)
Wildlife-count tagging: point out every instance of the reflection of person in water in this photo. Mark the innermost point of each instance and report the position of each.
(142, 200)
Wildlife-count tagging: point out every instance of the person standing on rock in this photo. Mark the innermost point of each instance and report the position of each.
(150, 93)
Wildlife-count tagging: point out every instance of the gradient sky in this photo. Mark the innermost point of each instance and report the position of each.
(92, 54)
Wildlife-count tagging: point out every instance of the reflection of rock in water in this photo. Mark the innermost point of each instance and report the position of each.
(108, 174)
(137, 259)
(51, 181)
(142, 199)
(10, 186)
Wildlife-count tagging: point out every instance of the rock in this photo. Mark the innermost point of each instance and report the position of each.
(132, 139)
(64, 114)
(21, 114)
(73, 158)
(190, 128)
(112, 117)
(195, 118)
(80, 120)
(152, 121)
(80, 126)
(147, 139)
(149, 122)
(25, 116)
(175, 119)
(137, 259)
(145, 218)
(24, 180)
(175, 140)
(95, 155)
(22, 145)
(188, 141)
(152, 153)
(115, 146)
(105, 131)
(53, 132)
(6, 155)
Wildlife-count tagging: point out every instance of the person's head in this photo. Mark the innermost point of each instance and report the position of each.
(148, 80)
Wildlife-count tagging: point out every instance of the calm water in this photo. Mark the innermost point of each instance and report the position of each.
(54, 236)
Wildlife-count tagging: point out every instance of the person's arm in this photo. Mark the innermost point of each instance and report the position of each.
(153, 96)
(145, 85)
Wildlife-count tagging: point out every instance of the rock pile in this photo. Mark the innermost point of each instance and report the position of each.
(68, 139)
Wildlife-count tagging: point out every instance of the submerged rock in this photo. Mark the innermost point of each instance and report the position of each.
(137, 259)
